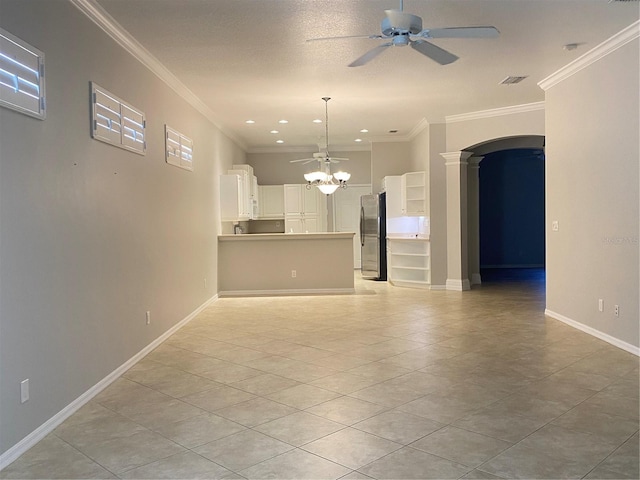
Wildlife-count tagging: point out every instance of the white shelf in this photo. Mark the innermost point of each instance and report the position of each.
(409, 262)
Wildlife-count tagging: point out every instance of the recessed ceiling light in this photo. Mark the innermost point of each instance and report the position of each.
(317, 120)
(279, 141)
(250, 122)
(393, 131)
(364, 130)
(358, 140)
(513, 79)
(283, 121)
(274, 131)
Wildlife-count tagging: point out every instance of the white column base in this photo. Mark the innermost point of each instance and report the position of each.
(475, 279)
(458, 285)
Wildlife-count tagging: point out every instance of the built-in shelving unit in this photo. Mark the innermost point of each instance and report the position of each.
(414, 193)
(409, 262)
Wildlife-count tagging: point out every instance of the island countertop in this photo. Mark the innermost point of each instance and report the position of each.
(248, 237)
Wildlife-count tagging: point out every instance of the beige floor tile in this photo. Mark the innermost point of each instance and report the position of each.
(411, 464)
(303, 396)
(508, 427)
(351, 448)
(197, 431)
(265, 384)
(295, 465)
(299, 428)
(255, 412)
(243, 450)
(344, 382)
(461, 446)
(180, 466)
(398, 426)
(217, 398)
(346, 410)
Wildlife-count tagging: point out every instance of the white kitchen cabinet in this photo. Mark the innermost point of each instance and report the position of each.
(271, 201)
(303, 209)
(414, 194)
(248, 197)
(409, 262)
(233, 199)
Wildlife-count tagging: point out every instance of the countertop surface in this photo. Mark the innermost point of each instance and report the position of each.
(285, 236)
(407, 236)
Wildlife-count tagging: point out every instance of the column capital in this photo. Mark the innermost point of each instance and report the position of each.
(456, 158)
(474, 161)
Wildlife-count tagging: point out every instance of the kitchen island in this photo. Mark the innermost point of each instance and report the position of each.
(285, 264)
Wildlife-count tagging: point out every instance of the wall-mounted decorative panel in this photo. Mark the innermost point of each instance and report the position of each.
(178, 149)
(21, 76)
(116, 122)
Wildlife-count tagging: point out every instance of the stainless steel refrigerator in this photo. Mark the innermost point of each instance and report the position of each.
(373, 236)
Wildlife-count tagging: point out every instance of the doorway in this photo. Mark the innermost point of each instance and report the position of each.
(512, 210)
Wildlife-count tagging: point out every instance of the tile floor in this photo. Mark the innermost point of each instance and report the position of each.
(389, 383)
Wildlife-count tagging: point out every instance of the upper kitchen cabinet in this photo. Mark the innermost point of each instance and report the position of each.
(415, 196)
(234, 204)
(271, 201)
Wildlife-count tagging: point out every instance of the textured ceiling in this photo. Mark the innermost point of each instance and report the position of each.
(248, 59)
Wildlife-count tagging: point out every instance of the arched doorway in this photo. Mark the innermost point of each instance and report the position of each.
(505, 204)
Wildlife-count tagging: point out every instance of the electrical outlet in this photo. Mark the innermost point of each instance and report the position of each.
(555, 226)
(600, 305)
(148, 318)
(293, 273)
(616, 310)
(24, 390)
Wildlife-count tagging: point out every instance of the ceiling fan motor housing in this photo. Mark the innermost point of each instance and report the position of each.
(397, 23)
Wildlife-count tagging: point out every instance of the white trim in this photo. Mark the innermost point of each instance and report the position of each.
(438, 287)
(596, 333)
(458, 285)
(47, 427)
(285, 292)
(108, 24)
(363, 147)
(495, 112)
(605, 48)
(420, 126)
(476, 279)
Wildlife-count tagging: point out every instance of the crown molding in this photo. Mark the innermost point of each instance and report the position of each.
(495, 112)
(420, 126)
(310, 149)
(605, 48)
(92, 10)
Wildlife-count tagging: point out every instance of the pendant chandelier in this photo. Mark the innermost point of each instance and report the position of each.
(327, 182)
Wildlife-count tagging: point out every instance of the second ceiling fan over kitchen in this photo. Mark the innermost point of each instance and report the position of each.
(402, 29)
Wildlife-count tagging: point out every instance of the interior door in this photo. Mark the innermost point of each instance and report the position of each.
(346, 214)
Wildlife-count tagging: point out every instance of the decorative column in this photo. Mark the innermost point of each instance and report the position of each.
(457, 248)
(473, 190)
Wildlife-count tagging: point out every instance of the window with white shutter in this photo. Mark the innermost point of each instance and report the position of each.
(21, 76)
(116, 122)
(178, 148)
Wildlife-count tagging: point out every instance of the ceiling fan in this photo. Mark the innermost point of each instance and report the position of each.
(404, 29)
(324, 156)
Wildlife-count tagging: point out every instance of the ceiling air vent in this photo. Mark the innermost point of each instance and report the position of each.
(512, 80)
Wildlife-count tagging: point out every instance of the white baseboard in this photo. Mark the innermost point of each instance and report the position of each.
(596, 333)
(438, 287)
(287, 292)
(476, 279)
(458, 285)
(43, 430)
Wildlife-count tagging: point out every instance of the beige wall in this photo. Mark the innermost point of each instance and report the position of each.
(592, 154)
(388, 158)
(93, 236)
(438, 204)
(277, 169)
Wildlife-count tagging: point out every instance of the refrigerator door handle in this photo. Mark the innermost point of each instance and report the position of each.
(362, 226)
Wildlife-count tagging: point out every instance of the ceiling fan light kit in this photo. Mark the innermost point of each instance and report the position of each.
(323, 179)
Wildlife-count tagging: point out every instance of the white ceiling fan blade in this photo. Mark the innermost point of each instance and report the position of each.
(338, 159)
(460, 32)
(370, 55)
(434, 52)
(303, 160)
(344, 37)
